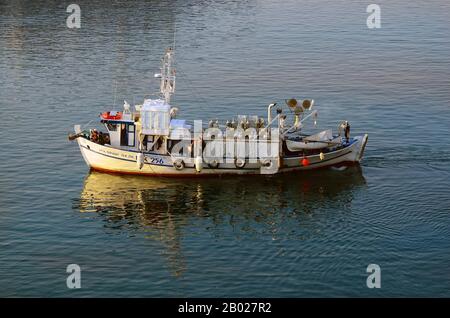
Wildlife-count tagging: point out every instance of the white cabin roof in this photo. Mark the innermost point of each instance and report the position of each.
(158, 105)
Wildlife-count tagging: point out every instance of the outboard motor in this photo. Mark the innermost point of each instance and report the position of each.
(347, 131)
(345, 126)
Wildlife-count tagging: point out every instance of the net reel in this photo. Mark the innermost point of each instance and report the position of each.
(299, 109)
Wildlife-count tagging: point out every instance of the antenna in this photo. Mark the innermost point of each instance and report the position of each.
(174, 35)
(167, 75)
(115, 91)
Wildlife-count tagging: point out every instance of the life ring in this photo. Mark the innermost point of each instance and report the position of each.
(213, 164)
(267, 163)
(108, 116)
(178, 164)
(239, 163)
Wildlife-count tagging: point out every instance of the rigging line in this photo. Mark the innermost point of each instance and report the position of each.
(87, 123)
(174, 35)
(197, 95)
(115, 91)
(149, 164)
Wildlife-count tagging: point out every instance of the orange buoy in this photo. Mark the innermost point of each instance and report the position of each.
(305, 162)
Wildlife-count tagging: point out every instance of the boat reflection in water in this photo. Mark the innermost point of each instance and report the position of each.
(166, 209)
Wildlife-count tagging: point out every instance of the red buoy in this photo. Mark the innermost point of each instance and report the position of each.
(305, 162)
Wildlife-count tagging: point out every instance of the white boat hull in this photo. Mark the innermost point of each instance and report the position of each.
(108, 159)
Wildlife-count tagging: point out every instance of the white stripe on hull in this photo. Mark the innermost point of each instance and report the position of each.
(121, 161)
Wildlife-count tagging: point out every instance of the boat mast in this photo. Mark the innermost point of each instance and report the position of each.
(167, 75)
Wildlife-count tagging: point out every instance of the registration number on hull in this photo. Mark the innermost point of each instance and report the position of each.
(155, 160)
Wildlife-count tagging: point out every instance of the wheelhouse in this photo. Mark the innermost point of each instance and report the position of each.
(121, 128)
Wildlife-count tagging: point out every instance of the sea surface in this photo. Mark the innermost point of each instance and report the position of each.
(309, 234)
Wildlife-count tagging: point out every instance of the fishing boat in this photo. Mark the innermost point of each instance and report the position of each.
(151, 139)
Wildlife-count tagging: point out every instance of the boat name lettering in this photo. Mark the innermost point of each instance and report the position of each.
(116, 154)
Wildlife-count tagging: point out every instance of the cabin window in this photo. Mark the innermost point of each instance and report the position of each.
(127, 135)
(130, 130)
